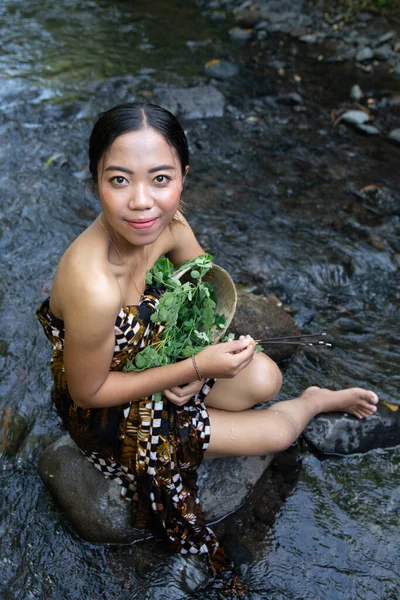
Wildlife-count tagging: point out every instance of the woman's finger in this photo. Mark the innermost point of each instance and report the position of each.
(178, 400)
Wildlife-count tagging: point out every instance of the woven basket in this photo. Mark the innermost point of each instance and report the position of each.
(225, 292)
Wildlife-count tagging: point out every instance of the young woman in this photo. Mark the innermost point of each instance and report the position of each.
(98, 316)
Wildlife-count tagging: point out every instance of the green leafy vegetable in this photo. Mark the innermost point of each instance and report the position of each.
(187, 309)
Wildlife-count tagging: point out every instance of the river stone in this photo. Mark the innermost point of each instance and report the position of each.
(355, 117)
(264, 317)
(94, 506)
(368, 129)
(383, 52)
(341, 433)
(221, 69)
(248, 18)
(191, 103)
(364, 54)
(239, 35)
(356, 93)
(394, 136)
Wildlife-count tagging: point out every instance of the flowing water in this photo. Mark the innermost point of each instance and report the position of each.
(276, 198)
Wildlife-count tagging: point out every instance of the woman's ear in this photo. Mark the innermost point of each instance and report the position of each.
(186, 172)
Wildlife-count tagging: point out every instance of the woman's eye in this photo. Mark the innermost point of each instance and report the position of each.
(161, 179)
(118, 179)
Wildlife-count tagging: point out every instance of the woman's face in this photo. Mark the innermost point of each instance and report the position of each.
(139, 182)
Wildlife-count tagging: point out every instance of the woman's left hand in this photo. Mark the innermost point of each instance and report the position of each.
(181, 395)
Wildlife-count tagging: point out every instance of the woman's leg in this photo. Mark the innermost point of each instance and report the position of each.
(260, 432)
(260, 381)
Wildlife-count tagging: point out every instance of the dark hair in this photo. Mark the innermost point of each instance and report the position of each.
(134, 116)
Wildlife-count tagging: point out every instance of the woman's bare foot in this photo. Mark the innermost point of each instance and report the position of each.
(357, 401)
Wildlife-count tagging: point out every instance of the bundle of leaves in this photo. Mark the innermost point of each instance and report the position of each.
(187, 308)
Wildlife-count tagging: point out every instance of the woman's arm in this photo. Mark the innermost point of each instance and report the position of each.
(90, 306)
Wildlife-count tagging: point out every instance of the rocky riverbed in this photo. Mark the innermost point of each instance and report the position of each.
(294, 189)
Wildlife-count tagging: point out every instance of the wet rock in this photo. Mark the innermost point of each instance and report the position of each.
(248, 18)
(356, 93)
(33, 445)
(311, 38)
(368, 129)
(13, 428)
(192, 572)
(263, 317)
(221, 69)
(291, 99)
(386, 37)
(361, 40)
(191, 103)
(383, 53)
(239, 35)
(339, 433)
(355, 117)
(218, 16)
(364, 17)
(94, 506)
(298, 32)
(394, 136)
(364, 54)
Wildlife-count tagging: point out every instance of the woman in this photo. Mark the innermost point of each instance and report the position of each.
(98, 316)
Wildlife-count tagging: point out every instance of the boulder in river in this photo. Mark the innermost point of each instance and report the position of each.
(191, 103)
(94, 506)
(341, 433)
(263, 317)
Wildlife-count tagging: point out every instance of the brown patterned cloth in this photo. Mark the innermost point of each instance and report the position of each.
(151, 447)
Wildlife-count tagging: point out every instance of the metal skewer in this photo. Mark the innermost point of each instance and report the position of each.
(299, 343)
(293, 337)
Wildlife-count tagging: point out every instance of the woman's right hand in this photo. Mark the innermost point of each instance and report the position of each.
(226, 360)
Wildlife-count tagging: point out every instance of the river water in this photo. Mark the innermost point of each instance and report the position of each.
(276, 198)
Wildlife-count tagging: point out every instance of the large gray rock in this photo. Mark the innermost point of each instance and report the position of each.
(340, 433)
(263, 317)
(94, 506)
(191, 103)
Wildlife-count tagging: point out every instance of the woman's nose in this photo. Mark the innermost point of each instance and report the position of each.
(140, 198)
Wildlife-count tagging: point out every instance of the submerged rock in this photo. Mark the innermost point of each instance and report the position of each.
(340, 433)
(94, 506)
(13, 428)
(191, 103)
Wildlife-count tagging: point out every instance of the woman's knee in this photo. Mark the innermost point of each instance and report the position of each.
(266, 378)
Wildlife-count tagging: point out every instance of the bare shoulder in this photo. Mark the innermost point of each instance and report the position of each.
(84, 282)
(180, 241)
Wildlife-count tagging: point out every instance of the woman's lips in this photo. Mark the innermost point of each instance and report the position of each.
(142, 224)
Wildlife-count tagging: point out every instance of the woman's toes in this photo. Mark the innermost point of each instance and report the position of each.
(373, 398)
